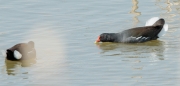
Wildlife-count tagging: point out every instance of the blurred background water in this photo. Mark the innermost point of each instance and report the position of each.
(64, 32)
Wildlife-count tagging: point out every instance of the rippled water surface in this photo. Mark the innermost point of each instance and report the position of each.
(64, 32)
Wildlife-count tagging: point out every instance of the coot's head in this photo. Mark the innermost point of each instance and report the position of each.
(31, 44)
(106, 37)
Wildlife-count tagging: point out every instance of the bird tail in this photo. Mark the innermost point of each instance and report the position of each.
(158, 21)
(151, 21)
(17, 55)
(4, 53)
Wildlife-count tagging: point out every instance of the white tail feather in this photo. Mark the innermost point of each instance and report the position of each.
(151, 21)
(17, 55)
(4, 53)
(163, 31)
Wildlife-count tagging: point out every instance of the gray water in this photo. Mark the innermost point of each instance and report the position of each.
(64, 32)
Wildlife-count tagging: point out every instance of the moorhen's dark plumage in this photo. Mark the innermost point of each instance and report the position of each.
(21, 51)
(155, 28)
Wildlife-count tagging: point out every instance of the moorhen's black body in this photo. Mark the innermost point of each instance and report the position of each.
(155, 28)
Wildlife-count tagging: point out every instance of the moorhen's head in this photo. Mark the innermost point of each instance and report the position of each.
(106, 37)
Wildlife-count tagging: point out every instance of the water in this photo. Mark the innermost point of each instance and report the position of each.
(64, 32)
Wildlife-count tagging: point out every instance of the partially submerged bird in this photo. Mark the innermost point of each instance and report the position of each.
(154, 28)
(21, 51)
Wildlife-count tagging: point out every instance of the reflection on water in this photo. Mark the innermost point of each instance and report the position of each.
(134, 12)
(13, 67)
(135, 54)
(153, 48)
(168, 7)
(66, 55)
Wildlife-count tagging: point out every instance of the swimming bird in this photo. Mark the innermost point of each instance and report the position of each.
(20, 51)
(153, 29)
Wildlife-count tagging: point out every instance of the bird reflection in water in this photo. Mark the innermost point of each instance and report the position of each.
(134, 55)
(14, 67)
(135, 12)
(149, 49)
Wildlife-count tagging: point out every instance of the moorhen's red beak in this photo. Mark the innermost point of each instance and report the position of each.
(97, 40)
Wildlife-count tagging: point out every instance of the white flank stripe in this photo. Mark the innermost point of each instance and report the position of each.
(17, 55)
(151, 21)
(138, 37)
(144, 38)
